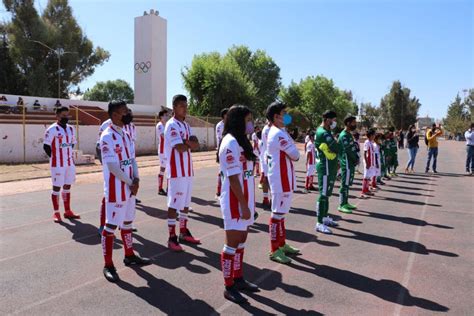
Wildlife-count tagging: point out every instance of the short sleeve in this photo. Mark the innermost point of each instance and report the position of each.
(49, 136)
(172, 135)
(229, 158)
(107, 149)
(366, 146)
(73, 133)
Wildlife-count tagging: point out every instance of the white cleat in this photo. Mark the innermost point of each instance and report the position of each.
(328, 221)
(323, 229)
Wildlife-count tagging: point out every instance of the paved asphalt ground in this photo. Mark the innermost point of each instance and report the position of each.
(407, 251)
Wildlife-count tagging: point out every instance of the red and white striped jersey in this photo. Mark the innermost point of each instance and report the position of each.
(263, 148)
(160, 137)
(116, 146)
(178, 164)
(131, 130)
(370, 154)
(61, 141)
(102, 128)
(232, 161)
(219, 131)
(310, 153)
(256, 144)
(281, 173)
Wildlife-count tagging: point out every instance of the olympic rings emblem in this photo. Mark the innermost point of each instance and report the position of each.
(143, 67)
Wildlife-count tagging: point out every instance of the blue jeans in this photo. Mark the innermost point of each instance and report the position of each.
(412, 155)
(470, 158)
(432, 152)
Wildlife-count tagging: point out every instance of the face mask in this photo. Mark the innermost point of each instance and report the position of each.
(333, 125)
(63, 121)
(287, 119)
(127, 119)
(249, 128)
(353, 127)
(413, 130)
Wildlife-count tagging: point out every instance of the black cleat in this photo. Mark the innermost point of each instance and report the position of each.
(255, 216)
(162, 192)
(136, 260)
(134, 229)
(110, 273)
(243, 285)
(138, 201)
(232, 294)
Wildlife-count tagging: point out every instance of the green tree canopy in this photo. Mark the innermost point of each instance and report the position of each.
(36, 64)
(398, 107)
(110, 90)
(458, 117)
(369, 115)
(240, 76)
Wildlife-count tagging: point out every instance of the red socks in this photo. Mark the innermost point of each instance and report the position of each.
(374, 182)
(219, 184)
(172, 227)
(183, 223)
(282, 235)
(239, 261)
(227, 265)
(274, 229)
(127, 239)
(107, 247)
(102, 212)
(160, 181)
(55, 200)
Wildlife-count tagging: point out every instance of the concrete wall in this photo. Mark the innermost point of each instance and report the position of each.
(12, 146)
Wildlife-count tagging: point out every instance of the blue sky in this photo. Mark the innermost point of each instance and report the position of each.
(362, 45)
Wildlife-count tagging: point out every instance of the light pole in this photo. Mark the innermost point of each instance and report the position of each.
(58, 52)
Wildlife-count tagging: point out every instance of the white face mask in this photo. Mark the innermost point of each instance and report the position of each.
(333, 125)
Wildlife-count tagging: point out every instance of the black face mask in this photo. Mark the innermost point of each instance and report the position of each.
(353, 127)
(127, 119)
(63, 121)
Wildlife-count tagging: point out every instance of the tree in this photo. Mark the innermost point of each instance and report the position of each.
(11, 81)
(314, 95)
(398, 108)
(214, 81)
(458, 117)
(110, 90)
(369, 115)
(58, 29)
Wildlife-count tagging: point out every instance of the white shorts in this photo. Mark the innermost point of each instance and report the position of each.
(310, 170)
(119, 212)
(162, 158)
(63, 175)
(281, 202)
(370, 172)
(264, 168)
(179, 193)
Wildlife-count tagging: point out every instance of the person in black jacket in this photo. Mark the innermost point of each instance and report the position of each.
(412, 144)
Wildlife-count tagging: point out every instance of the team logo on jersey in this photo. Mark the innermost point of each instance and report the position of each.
(173, 132)
(282, 141)
(229, 158)
(118, 149)
(105, 149)
(328, 138)
(242, 159)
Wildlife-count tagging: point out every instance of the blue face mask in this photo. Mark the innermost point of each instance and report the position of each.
(287, 119)
(249, 129)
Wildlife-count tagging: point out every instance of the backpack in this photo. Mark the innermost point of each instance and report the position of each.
(426, 138)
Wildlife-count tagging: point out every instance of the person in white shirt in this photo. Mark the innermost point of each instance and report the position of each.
(469, 135)
(310, 162)
(263, 161)
(219, 130)
(369, 163)
(179, 141)
(58, 144)
(160, 136)
(102, 128)
(256, 136)
(121, 184)
(237, 199)
(281, 153)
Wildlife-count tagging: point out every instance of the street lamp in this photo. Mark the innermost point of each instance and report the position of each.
(58, 52)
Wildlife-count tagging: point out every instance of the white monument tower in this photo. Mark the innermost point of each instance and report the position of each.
(150, 60)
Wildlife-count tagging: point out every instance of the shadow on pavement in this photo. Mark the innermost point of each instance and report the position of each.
(392, 199)
(405, 220)
(387, 290)
(407, 246)
(86, 234)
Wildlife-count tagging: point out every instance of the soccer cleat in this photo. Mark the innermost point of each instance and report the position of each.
(344, 209)
(255, 216)
(71, 215)
(434, 171)
(188, 238)
(162, 192)
(328, 221)
(101, 228)
(351, 206)
(280, 257)
(363, 196)
(323, 229)
(260, 186)
(110, 273)
(134, 229)
(136, 260)
(138, 201)
(381, 182)
(232, 294)
(174, 245)
(217, 196)
(312, 188)
(369, 193)
(290, 250)
(305, 190)
(57, 217)
(243, 285)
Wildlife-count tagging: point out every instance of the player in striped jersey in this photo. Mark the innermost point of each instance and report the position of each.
(369, 163)
(256, 136)
(219, 130)
(59, 141)
(281, 152)
(121, 184)
(310, 162)
(237, 201)
(102, 128)
(179, 141)
(131, 129)
(264, 163)
(160, 136)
